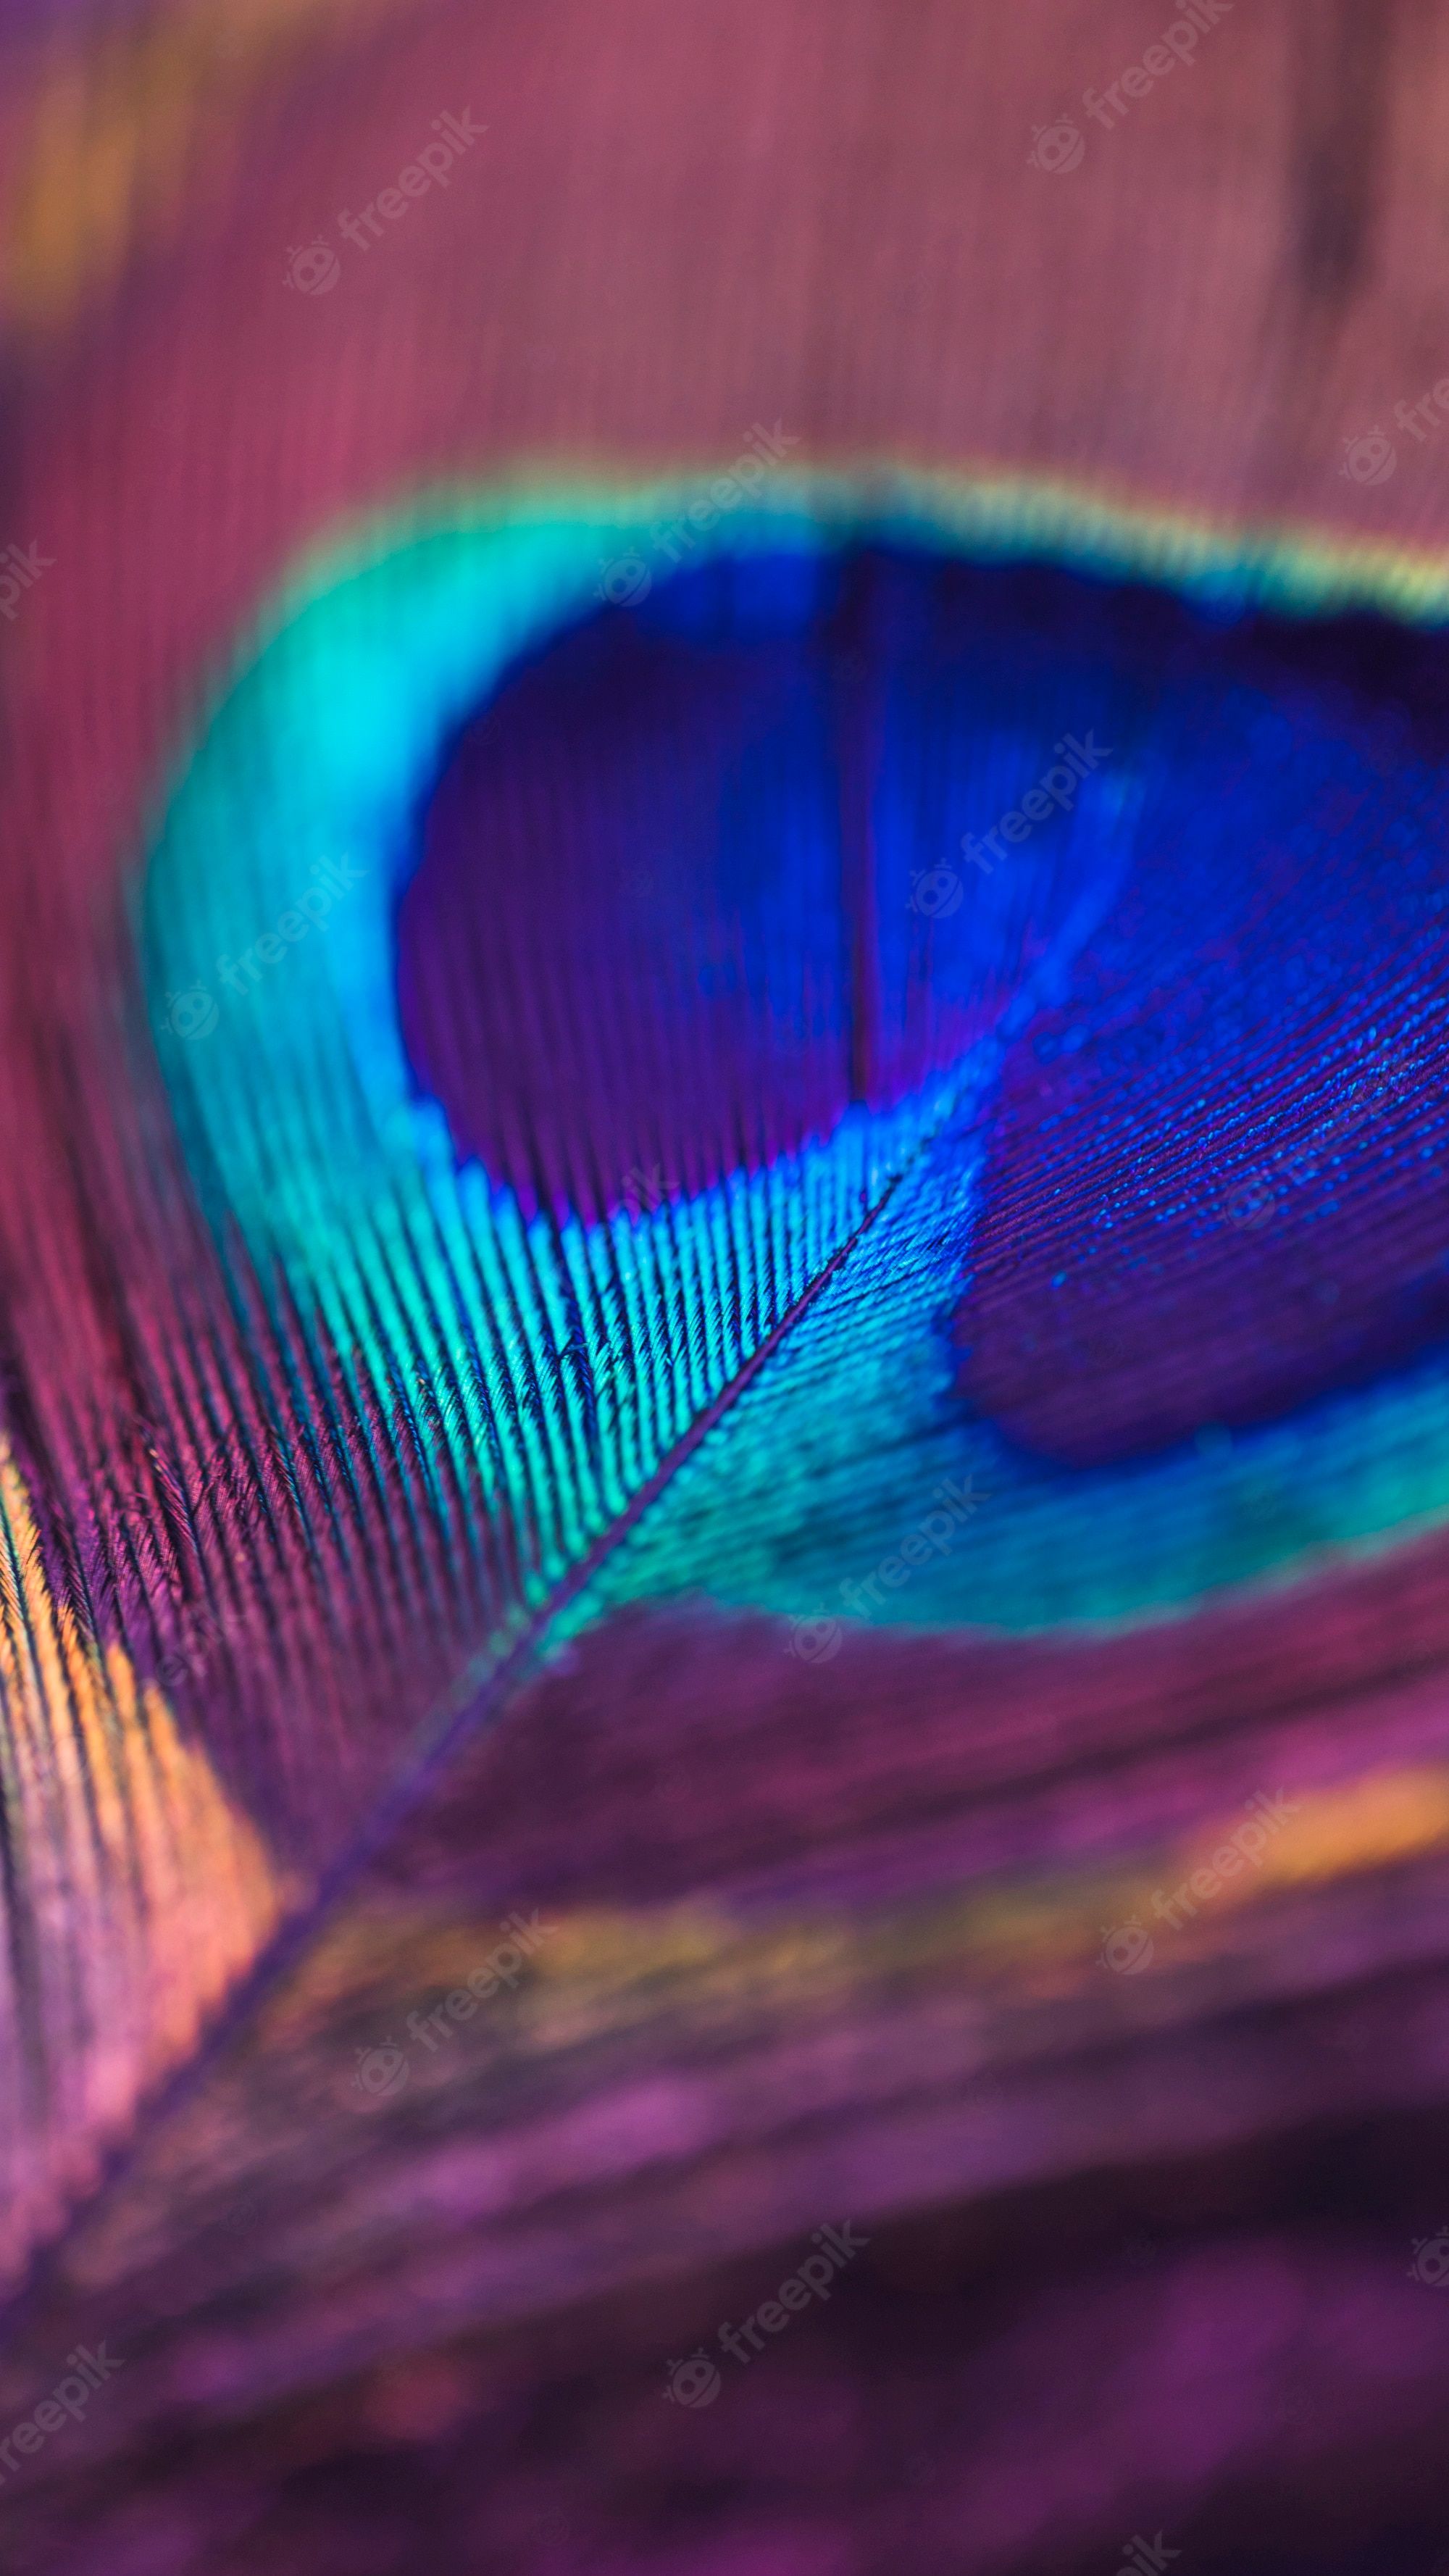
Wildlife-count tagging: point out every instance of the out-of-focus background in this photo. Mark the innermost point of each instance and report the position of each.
(724, 1451)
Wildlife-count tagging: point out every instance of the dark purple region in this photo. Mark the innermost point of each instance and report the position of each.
(1215, 1185)
(695, 881)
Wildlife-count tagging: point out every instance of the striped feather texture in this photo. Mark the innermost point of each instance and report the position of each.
(722, 1289)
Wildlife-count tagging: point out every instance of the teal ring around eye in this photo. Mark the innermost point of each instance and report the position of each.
(301, 1123)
